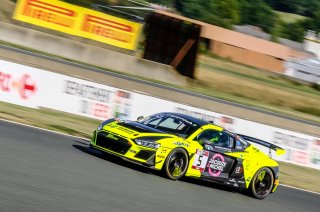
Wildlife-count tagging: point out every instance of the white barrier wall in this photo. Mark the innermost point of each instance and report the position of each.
(19, 84)
(313, 46)
(32, 87)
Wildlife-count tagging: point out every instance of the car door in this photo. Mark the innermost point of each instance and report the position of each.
(215, 160)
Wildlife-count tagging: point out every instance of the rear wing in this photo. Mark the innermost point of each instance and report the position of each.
(277, 149)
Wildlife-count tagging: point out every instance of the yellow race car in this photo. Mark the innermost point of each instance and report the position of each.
(181, 145)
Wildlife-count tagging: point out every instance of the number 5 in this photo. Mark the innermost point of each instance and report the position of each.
(199, 160)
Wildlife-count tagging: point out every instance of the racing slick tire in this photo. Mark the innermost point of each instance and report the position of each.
(176, 164)
(262, 183)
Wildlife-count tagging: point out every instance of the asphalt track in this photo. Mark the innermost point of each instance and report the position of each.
(45, 171)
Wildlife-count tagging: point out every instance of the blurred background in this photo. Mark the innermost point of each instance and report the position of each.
(245, 64)
(241, 43)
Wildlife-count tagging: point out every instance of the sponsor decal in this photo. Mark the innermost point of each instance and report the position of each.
(107, 28)
(315, 152)
(208, 147)
(5, 82)
(232, 180)
(200, 160)
(133, 151)
(164, 150)
(216, 165)
(83, 22)
(98, 101)
(113, 126)
(256, 150)
(160, 156)
(248, 179)
(238, 145)
(126, 130)
(291, 141)
(179, 143)
(300, 157)
(24, 85)
(238, 170)
(44, 11)
(112, 137)
(94, 100)
(222, 148)
(95, 109)
(87, 91)
(121, 107)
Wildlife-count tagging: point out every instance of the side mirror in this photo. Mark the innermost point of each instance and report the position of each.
(140, 118)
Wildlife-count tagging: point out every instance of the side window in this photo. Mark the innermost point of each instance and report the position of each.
(216, 138)
(208, 136)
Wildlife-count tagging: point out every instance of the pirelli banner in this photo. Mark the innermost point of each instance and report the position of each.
(79, 21)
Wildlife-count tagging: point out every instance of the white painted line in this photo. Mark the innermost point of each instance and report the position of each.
(140, 92)
(52, 131)
(299, 189)
(39, 128)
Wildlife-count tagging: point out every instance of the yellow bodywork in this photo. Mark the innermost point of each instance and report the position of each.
(253, 158)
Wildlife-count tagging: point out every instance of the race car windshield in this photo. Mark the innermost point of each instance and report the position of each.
(171, 123)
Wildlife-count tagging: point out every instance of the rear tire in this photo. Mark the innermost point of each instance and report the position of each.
(262, 183)
(176, 164)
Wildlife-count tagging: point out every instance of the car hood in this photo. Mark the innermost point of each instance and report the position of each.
(132, 129)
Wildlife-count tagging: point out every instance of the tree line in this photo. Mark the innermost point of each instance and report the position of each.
(260, 13)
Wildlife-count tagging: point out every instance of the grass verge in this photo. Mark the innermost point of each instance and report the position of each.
(298, 176)
(259, 88)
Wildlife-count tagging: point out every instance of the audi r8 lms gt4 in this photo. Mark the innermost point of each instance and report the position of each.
(181, 145)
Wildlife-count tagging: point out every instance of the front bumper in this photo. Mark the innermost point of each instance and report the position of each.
(276, 178)
(123, 147)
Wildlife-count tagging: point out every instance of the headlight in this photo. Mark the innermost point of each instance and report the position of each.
(102, 124)
(149, 141)
(147, 144)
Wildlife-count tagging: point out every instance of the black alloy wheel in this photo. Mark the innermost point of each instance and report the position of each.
(262, 183)
(176, 164)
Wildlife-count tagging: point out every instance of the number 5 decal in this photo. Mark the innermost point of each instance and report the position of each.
(200, 160)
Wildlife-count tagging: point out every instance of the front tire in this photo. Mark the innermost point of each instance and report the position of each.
(262, 183)
(176, 164)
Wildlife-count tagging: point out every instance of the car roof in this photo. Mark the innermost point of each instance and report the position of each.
(197, 121)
